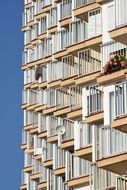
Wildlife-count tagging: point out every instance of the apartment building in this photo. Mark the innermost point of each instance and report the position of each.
(75, 95)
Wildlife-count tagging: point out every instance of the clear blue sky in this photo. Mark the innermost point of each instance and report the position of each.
(11, 40)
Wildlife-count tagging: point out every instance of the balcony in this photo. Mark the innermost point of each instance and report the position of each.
(47, 158)
(66, 11)
(52, 20)
(79, 177)
(24, 140)
(89, 66)
(59, 166)
(112, 69)
(67, 139)
(94, 111)
(119, 26)
(23, 185)
(36, 172)
(112, 151)
(104, 179)
(121, 181)
(82, 8)
(83, 138)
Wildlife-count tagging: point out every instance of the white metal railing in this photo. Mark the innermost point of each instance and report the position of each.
(94, 99)
(77, 166)
(88, 62)
(31, 118)
(118, 13)
(50, 97)
(34, 31)
(110, 49)
(48, 46)
(79, 31)
(53, 123)
(30, 140)
(69, 66)
(24, 137)
(83, 2)
(85, 135)
(94, 23)
(38, 6)
(59, 157)
(62, 97)
(32, 185)
(62, 39)
(41, 96)
(32, 96)
(44, 174)
(47, 151)
(121, 183)
(112, 142)
(23, 178)
(54, 70)
(24, 97)
(120, 99)
(66, 8)
(69, 130)
(28, 160)
(36, 166)
(101, 179)
(46, 3)
(41, 122)
(42, 25)
(52, 17)
(75, 96)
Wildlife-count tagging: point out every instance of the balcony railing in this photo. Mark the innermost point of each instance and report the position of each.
(30, 141)
(36, 166)
(66, 8)
(101, 179)
(38, 6)
(69, 130)
(59, 158)
(120, 99)
(44, 174)
(118, 13)
(121, 183)
(62, 39)
(111, 49)
(75, 97)
(88, 62)
(69, 66)
(43, 25)
(23, 178)
(54, 70)
(112, 142)
(42, 119)
(47, 151)
(79, 31)
(52, 17)
(28, 160)
(94, 99)
(46, 3)
(62, 97)
(83, 2)
(24, 137)
(77, 166)
(52, 124)
(85, 135)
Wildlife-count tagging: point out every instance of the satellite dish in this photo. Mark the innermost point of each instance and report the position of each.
(38, 72)
(60, 130)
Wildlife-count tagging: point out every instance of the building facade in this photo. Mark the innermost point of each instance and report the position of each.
(75, 95)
